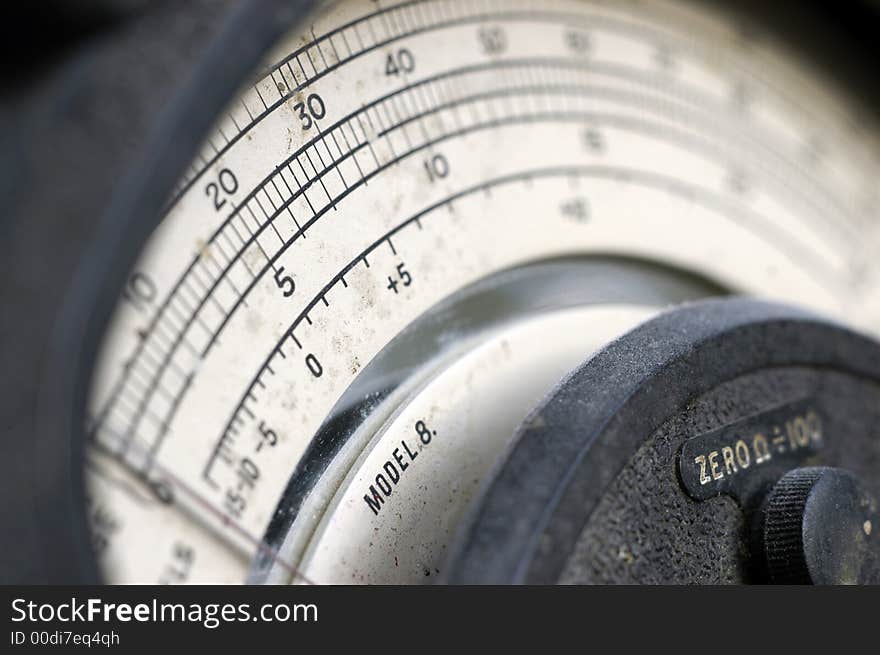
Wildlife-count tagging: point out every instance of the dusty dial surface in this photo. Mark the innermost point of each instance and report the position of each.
(306, 310)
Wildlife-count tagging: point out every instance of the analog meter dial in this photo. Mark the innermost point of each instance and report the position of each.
(411, 223)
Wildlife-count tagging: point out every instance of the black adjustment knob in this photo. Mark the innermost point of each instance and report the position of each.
(820, 526)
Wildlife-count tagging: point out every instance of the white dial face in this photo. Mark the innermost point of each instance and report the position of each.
(391, 155)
